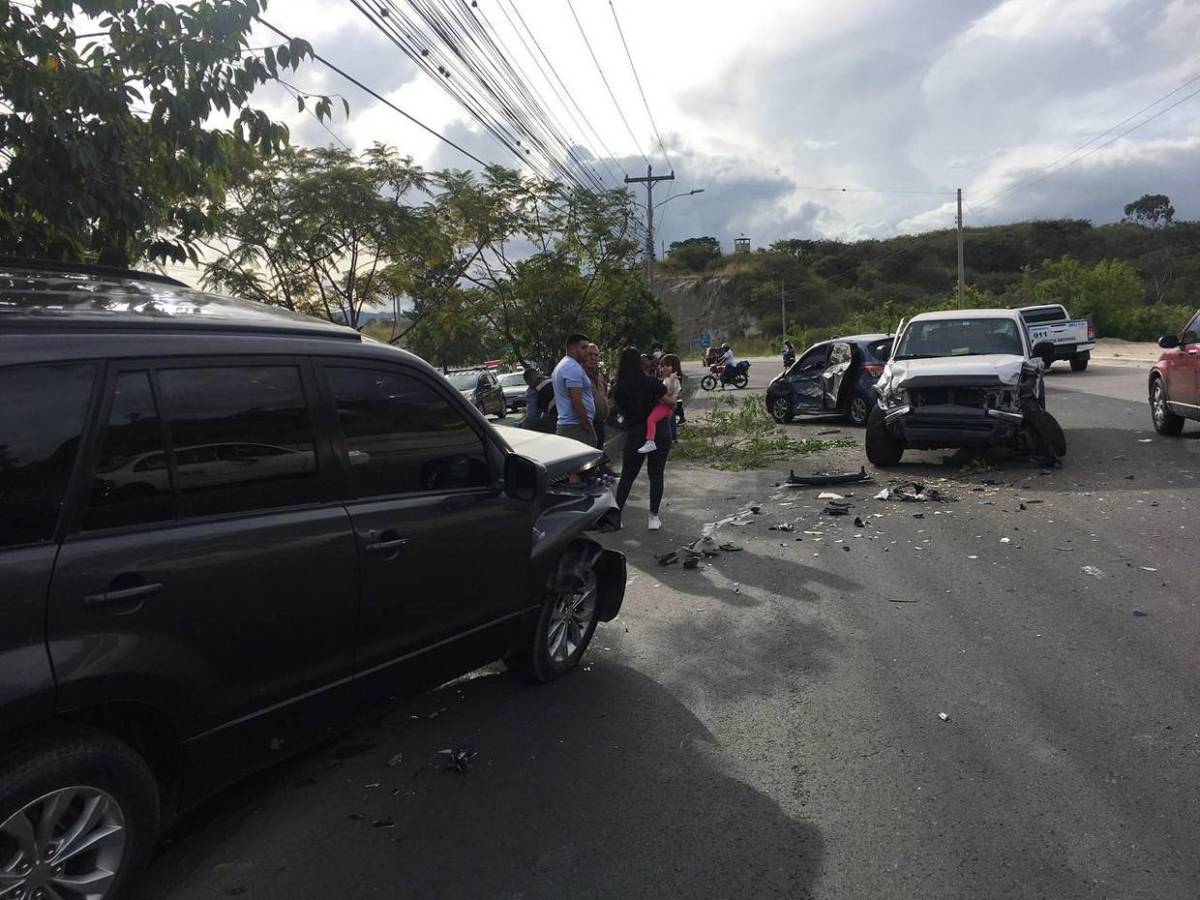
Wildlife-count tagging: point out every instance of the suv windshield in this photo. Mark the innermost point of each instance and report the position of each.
(463, 381)
(960, 337)
(512, 379)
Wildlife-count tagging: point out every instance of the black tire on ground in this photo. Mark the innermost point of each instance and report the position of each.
(534, 659)
(740, 380)
(708, 382)
(503, 411)
(1079, 362)
(858, 409)
(882, 447)
(1166, 422)
(782, 409)
(1047, 433)
(86, 759)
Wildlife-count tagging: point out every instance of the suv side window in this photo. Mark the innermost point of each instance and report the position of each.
(839, 354)
(214, 411)
(132, 485)
(813, 359)
(42, 412)
(402, 436)
(1191, 334)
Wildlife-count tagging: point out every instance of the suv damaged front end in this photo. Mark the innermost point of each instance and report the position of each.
(574, 499)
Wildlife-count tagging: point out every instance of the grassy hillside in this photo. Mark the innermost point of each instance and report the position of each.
(1136, 282)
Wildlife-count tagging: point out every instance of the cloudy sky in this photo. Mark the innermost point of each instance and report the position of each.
(767, 104)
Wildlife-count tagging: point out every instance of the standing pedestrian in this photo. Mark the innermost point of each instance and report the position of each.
(637, 394)
(599, 393)
(573, 397)
(533, 408)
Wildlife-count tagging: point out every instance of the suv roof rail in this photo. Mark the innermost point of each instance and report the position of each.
(53, 265)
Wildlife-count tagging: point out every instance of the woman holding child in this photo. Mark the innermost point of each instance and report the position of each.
(639, 398)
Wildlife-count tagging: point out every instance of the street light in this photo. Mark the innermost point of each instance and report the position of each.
(650, 230)
(677, 196)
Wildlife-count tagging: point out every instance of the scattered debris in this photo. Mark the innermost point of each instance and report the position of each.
(1148, 568)
(915, 493)
(668, 558)
(1005, 540)
(395, 760)
(944, 717)
(1139, 612)
(786, 526)
(829, 495)
(972, 557)
(384, 823)
(1145, 440)
(902, 599)
(737, 588)
(824, 478)
(731, 548)
(918, 515)
(832, 510)
(859, 523)
(846, 547)
(458, 759)
(692, 562)
(1093, 571)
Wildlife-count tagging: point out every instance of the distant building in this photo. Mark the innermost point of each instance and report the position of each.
(741, 244)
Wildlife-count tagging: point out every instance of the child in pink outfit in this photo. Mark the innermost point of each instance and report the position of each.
(669, 371)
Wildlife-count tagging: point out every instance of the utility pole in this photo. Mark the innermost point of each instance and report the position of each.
(783, 309)
(650, 180)
(960, 251)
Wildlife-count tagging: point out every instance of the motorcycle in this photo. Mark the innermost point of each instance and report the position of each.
(719, 373)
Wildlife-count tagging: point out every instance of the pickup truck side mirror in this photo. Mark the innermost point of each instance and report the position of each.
(524, 479)
(1168, 342)
(1044, 350)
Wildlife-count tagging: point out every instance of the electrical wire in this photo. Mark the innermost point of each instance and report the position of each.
(638, 81)
(608, 87)
(1049, 169)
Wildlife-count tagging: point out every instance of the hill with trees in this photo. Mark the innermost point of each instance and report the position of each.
(1137, 279)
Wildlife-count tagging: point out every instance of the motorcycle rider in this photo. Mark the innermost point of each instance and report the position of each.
(789, 354)
(731, 365)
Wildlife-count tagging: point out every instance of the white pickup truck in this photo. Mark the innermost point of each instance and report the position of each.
(1073, 339)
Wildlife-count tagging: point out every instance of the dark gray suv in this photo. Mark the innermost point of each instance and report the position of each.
(226, 531)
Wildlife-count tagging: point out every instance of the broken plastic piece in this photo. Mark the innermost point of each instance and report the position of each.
(730, 548)
(458, 759)
(692, 562)
(1093, 571)
(902, 600)
(944, 717)
(1139, 612)
(668, 558)
(829, 495)
(395, 760)
(824, 478)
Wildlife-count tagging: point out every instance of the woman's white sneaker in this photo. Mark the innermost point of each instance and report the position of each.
(655, 522)
(648, 447)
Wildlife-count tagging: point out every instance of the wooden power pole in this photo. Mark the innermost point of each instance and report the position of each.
(650, 180)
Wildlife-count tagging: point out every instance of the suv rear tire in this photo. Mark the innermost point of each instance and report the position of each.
(882, 447)
(86, 780)
(782, 410)
(858, 409)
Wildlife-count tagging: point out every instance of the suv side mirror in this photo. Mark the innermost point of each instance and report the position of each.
(524, 479)
(1168, 342)
(1044, 350)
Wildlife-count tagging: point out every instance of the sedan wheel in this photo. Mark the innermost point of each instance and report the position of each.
(782, 410)
(858, 410)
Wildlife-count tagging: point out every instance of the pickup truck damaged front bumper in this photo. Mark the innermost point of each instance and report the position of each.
(953, 426)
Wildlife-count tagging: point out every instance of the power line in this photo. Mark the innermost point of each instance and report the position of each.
(844, 190)
(297, 94)
(1049, 169)
(607, 86)
(610, 155)
(638, 81)
(379, 97)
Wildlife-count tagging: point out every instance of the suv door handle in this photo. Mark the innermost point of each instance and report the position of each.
(123, 596)
(386, 544)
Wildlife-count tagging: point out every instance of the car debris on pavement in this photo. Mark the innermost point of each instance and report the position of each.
(824, 478)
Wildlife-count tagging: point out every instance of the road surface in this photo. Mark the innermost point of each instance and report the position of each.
(769, 726)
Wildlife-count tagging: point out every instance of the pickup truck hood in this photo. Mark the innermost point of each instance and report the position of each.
(561, 456)
(1003, 367)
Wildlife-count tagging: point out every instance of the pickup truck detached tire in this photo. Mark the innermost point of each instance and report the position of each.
(1048, 438)
(883, 449)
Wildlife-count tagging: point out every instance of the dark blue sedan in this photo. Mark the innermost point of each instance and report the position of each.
(833, 377)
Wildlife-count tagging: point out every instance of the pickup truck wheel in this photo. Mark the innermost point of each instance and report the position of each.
(1166, 422)
(566, 621)
(78, 817)
(882, 448)
(1079, 362)
(1048, 436)
(782, 410)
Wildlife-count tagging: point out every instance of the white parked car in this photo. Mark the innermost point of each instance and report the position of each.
(965, 378)
(1073, 339)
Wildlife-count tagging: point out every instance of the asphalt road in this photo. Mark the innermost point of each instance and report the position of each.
(768, 725)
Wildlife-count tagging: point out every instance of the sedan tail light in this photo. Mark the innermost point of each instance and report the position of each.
(873, 369)
(1091, 330)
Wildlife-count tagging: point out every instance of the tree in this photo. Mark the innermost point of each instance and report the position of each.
(323, 232)
(104, 147)
(695, 254)
(1150, 211)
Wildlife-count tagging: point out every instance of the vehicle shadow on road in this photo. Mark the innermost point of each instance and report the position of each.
(599, 785)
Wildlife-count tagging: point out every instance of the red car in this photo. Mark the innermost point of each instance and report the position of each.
(1175, 380)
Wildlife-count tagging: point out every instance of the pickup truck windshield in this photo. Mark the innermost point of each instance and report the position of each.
(464, 381)
(960, 337)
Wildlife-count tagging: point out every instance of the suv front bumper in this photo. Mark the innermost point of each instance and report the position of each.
(951, 425)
